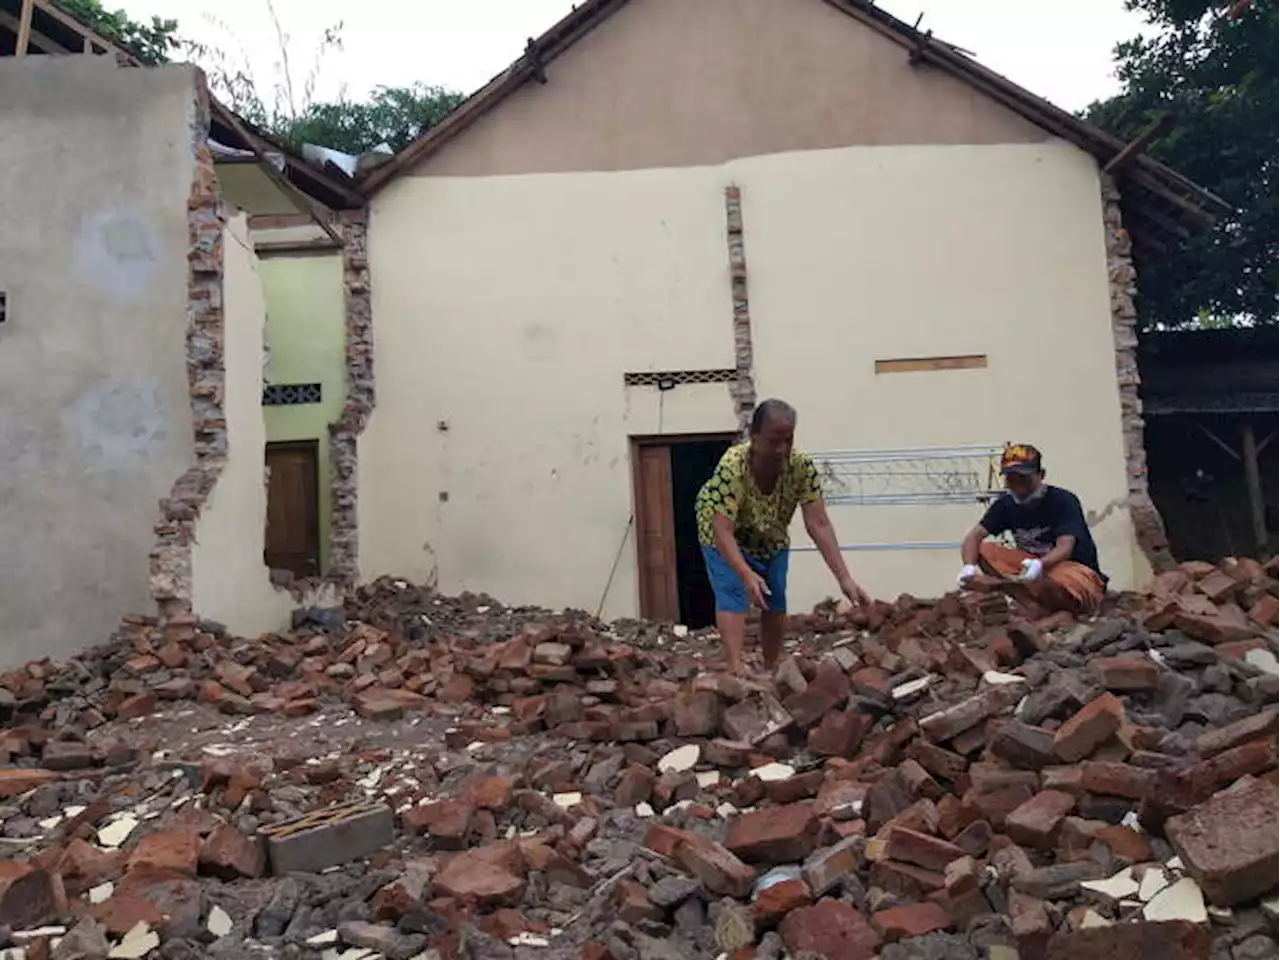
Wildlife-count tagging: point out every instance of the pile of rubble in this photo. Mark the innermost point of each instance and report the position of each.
(418, 776)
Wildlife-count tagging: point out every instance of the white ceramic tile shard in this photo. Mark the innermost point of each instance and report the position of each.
(38, 933)
(1271, 907)
(708, 778)
(1094, 919)
(680, 630)
(323, 939)
(996, 678)
(102, 892)
(117, 832)
(774, 772)
(1117, 888)
(1175, 863)
(1153, 881)
(680, 759)
(1182, 901)
(219, 922)
(726, 810)
(911, 688)
(644, 810)
(1264, 660)
(567, 800)
(137, 943)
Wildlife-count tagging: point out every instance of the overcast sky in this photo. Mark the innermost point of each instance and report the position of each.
(1061, 51)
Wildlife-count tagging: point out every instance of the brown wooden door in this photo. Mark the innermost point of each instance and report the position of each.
(655, 532)
(293, 508)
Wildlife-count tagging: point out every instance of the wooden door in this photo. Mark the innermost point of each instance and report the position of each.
(293, 508)
(655, 532)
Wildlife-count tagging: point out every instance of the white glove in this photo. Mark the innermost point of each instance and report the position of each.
(1032, 570)
(968, 572)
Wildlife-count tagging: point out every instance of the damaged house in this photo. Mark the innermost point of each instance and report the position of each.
(585, 277)
(236, 380)
(141, 224)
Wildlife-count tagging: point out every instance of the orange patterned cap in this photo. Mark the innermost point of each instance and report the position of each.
(1020, 458)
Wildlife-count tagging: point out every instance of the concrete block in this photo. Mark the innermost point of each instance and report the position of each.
(329, 837)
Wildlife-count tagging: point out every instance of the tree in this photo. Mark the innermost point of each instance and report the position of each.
(286, 107)
(393, 115)
(1215, 72)
(150, 43)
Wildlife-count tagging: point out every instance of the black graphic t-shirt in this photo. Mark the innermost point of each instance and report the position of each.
(1037, 525)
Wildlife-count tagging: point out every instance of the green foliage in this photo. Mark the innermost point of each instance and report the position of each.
(286, 106)
(1217, 76)
(150, 43)
(392, 115)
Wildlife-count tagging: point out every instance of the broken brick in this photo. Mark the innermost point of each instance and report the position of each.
(776, 901)
(1130, 671)
(1091, 727)
(176, 851)
(1168, 940)
(716, 867)
(1229, 843)
(911, 846)
(912, 920)
(228, 854)
(830, 929)
(1035, 823)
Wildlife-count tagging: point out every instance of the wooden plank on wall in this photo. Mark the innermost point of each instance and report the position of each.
(971, 361)
(24, 28)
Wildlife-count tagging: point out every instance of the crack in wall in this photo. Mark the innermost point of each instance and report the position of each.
(1122, 278)
(743, 388)
(344, 547)
(171, 581)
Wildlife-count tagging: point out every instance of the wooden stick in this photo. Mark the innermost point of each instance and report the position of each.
(24, 28)
(1139, 143)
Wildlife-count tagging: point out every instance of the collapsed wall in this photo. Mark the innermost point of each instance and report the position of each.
(93, 269)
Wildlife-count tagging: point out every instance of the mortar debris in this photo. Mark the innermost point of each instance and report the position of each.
(419, 776)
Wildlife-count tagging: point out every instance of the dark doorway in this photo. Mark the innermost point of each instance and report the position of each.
(669, 471)
(293, 511)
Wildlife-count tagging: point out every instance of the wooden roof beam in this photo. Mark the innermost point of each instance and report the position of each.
(71, 23)
(1139, 143)
(36, 38)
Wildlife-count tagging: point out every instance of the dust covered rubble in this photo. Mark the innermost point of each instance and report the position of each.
(419, 776)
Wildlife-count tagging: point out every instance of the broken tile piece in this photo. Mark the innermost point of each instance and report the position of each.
(1117, 888)
(995, 677)
(680, 759)
(1182, 901)
(1153, 881)
(137, 943)
(219, 923)
(101, 892)
(774, 772)
(567, 800)
(323, 939)
(117, 831)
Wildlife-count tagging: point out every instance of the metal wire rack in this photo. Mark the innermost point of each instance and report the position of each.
(911, 477)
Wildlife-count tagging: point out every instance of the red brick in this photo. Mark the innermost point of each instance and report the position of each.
(696, 714)
(808, 707)
(913, 920)
(1089, 729)
(1266, 611)
(716, 868)
(1030, 923)
(975, 838)
(774, 834)
(1212, 628)
(1116, 779)
(1236, 650)
(1233, 734)
(229, 854)
(487, 793)
(905, 880)
(777, 901)
(830, 929)
(1143, 940)
(911, 846)
(840, 734)
(485, 877)
(995, 807)
(137, 706)
(1024, 746)
(448, 822)
(633, 904)
(15, 781)
(121, 912)
(938, 761)
(28, 896)
(824, 869)
(1229, 843)
(169, 850)
(1035, 823)
(634, 786)
(1127, 844)
(802, 786)
(83, 865)
(953, 721)
(1129, 671)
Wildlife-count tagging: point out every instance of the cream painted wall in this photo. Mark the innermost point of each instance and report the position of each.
(306, 331)
(230, 582)
(510, 307)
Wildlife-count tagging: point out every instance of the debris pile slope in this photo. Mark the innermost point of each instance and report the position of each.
(420, 776)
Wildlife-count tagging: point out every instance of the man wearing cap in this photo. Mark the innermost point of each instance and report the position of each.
(1055, 559)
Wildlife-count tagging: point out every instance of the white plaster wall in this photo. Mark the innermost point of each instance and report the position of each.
(230, 582)
(509, 308)
(95, 416)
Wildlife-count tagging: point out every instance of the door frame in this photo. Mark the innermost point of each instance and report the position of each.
(640, 510)
(311, 447)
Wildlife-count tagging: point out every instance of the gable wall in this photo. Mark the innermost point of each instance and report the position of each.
(674, 83)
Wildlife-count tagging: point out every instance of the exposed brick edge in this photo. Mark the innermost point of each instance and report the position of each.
(743, 389)
(170, 562)
(1122, 278)
(344, 553)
